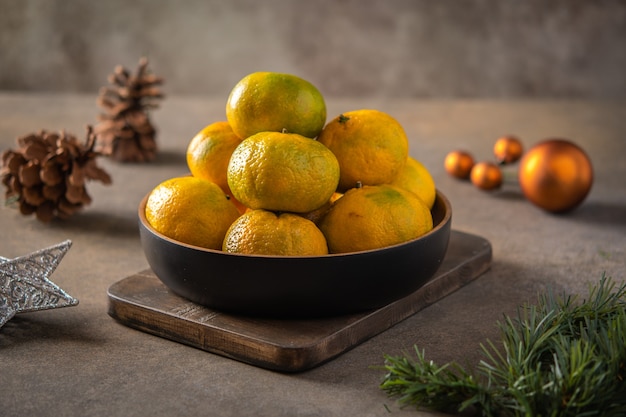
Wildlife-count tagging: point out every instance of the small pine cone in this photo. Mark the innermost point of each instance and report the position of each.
(47, 174)
(124, 131)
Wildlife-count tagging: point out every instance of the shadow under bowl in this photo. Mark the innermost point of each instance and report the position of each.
(297, 287)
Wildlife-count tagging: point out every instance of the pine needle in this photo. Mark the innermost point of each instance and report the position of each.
(557, 358)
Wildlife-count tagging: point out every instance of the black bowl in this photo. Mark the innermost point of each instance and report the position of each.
(297, 287)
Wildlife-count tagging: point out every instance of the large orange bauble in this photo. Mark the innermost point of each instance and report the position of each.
(555, 175)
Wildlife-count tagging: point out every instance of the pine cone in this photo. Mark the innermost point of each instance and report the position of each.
(47, 174)
(125, 132)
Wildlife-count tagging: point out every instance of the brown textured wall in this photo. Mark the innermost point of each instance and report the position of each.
(401, 48)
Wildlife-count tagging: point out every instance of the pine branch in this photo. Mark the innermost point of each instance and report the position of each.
(557, 358)
(422, 383)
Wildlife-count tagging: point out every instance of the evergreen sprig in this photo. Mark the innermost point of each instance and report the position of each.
(557, 358)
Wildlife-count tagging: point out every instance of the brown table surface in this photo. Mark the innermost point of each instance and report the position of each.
(79, 361)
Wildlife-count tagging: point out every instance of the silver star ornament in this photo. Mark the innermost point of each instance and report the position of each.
(24, 283)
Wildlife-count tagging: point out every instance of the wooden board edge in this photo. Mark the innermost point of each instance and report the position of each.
(400, 310)
(298, 358)
(207, 338)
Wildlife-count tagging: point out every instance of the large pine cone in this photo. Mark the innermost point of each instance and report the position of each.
(125, 132)
(47, 174)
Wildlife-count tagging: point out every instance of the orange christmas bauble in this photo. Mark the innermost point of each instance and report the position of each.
(459, 164)
(508, 149)
(555, 175)
(486, 176)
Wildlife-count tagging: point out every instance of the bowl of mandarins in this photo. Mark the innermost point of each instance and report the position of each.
(297, 286)
(284, 215)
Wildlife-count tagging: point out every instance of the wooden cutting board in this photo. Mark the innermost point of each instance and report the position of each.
(142, 302)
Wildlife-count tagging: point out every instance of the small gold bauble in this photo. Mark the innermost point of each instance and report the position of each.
(459, 164)
(508, 149)
(486, 176)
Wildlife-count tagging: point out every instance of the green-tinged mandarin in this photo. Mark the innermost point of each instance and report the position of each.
(416, 178)
(282, 172)
(191, 210)
(209, 151)
(370, 145)
(373, 217)
(270, 101)
(262, 232)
